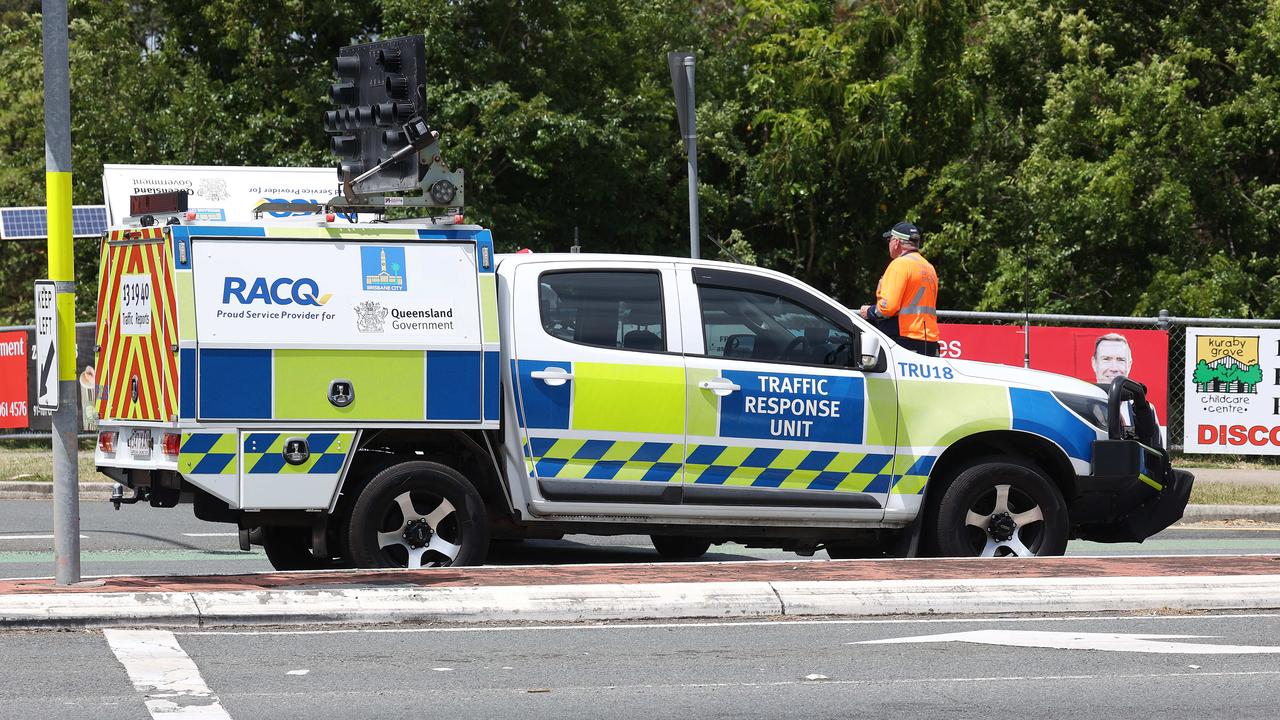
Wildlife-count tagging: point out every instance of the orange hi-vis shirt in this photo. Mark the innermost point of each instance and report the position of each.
(909, 289)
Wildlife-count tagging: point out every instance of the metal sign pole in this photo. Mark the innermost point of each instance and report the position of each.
(57, 155)
(691, 147)
(681, 66)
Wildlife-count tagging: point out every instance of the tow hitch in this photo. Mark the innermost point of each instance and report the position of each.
(118, 497)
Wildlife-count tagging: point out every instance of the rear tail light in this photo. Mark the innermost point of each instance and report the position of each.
(107, 441)
(171, 443)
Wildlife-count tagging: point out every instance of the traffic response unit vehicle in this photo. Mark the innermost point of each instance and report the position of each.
(398, 394)
(395, 394)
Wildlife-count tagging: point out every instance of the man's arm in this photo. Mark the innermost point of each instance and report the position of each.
(890, 291)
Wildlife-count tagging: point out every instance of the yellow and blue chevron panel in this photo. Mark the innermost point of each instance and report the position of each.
(789, 469)
(727, 465)
(207, 453)
(605, 459)
(913, 480)
(264, 453)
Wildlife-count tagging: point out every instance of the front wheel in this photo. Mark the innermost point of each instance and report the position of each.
(999, 509)
(676, 547)
(418, 514)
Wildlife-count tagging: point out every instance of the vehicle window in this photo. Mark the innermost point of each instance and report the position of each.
(749, 325)
(604, 309)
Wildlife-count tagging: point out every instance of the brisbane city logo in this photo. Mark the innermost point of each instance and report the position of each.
(382, 269)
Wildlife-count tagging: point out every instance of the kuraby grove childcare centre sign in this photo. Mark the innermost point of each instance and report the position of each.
(1232, 391)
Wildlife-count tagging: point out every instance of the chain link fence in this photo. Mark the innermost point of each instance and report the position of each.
(1176, 327)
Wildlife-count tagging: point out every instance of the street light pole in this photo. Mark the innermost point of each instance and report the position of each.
(57, 178)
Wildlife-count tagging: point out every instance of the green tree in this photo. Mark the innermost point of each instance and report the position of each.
(1251, 375)
(1203, 374)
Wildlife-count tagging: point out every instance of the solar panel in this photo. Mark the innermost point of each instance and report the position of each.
(31, 223)
(88, 220)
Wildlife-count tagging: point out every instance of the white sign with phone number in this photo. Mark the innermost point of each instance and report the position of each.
(135, 305)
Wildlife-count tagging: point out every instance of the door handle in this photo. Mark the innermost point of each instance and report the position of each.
(552, 376)
(720, 386)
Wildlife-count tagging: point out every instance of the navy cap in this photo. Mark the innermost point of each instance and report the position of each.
(906, 231)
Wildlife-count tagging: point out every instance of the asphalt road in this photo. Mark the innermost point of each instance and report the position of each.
(142, 540)
(1201, 666)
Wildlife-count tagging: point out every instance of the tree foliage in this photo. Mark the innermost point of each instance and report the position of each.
(1081, 156)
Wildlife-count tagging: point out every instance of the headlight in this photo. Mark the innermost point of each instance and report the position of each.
(1091, 409)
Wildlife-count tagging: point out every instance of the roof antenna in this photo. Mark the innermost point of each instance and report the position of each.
(576, 247)
(724, 249)
(1026, 302)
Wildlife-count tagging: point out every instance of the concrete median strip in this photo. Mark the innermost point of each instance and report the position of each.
(638, 601)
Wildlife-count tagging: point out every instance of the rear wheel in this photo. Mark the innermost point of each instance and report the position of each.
(1001, 508)
(418, 514)
(677, 547)
(289, 548)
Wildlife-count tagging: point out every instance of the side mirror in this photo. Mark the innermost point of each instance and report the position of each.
(870, 358)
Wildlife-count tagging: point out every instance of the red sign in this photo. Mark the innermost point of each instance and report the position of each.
(13, 379)
(1095, 355)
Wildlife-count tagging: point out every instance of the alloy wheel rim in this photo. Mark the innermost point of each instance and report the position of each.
(1003, 522)
(413, 539)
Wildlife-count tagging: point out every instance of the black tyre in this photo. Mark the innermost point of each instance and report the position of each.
(847, 551)
(418, 514)
(289, 548)
(998, 509)
(677, 547)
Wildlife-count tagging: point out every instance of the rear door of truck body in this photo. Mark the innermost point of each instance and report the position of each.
(136, 364)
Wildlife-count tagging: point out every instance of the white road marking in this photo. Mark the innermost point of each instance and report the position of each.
(33, 537)
(297, 672)
(169, 678)
(924, 681)
(750, 623)
(1115, 642)
(223, 534)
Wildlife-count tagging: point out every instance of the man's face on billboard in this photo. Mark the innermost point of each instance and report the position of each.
(1111, 359)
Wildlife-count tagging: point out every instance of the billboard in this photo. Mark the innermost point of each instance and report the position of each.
(22, 402)
(216, 192)
(1095, 355)
(1233, 391)
(14, 352)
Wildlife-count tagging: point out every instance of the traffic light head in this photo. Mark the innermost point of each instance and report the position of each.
(377, 92)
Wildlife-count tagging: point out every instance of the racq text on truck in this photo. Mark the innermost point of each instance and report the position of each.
(398, 395)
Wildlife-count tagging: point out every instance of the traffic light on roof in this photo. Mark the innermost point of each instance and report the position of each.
(378, 91)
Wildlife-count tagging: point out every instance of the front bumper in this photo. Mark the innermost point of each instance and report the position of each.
(1128, 508)
(1132, 491)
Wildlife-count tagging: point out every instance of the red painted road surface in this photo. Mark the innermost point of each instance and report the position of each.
(751, 571)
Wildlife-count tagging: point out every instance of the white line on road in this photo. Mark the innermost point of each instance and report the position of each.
(751, 623)
(925, 681)
(1115, 642)
(33, 537)
(211, 534)
(168, 677)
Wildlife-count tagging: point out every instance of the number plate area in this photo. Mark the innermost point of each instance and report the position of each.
(140, 444)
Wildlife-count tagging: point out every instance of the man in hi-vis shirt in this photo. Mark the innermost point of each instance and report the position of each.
(907, 297)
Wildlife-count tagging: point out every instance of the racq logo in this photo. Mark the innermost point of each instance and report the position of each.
(281, 291)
